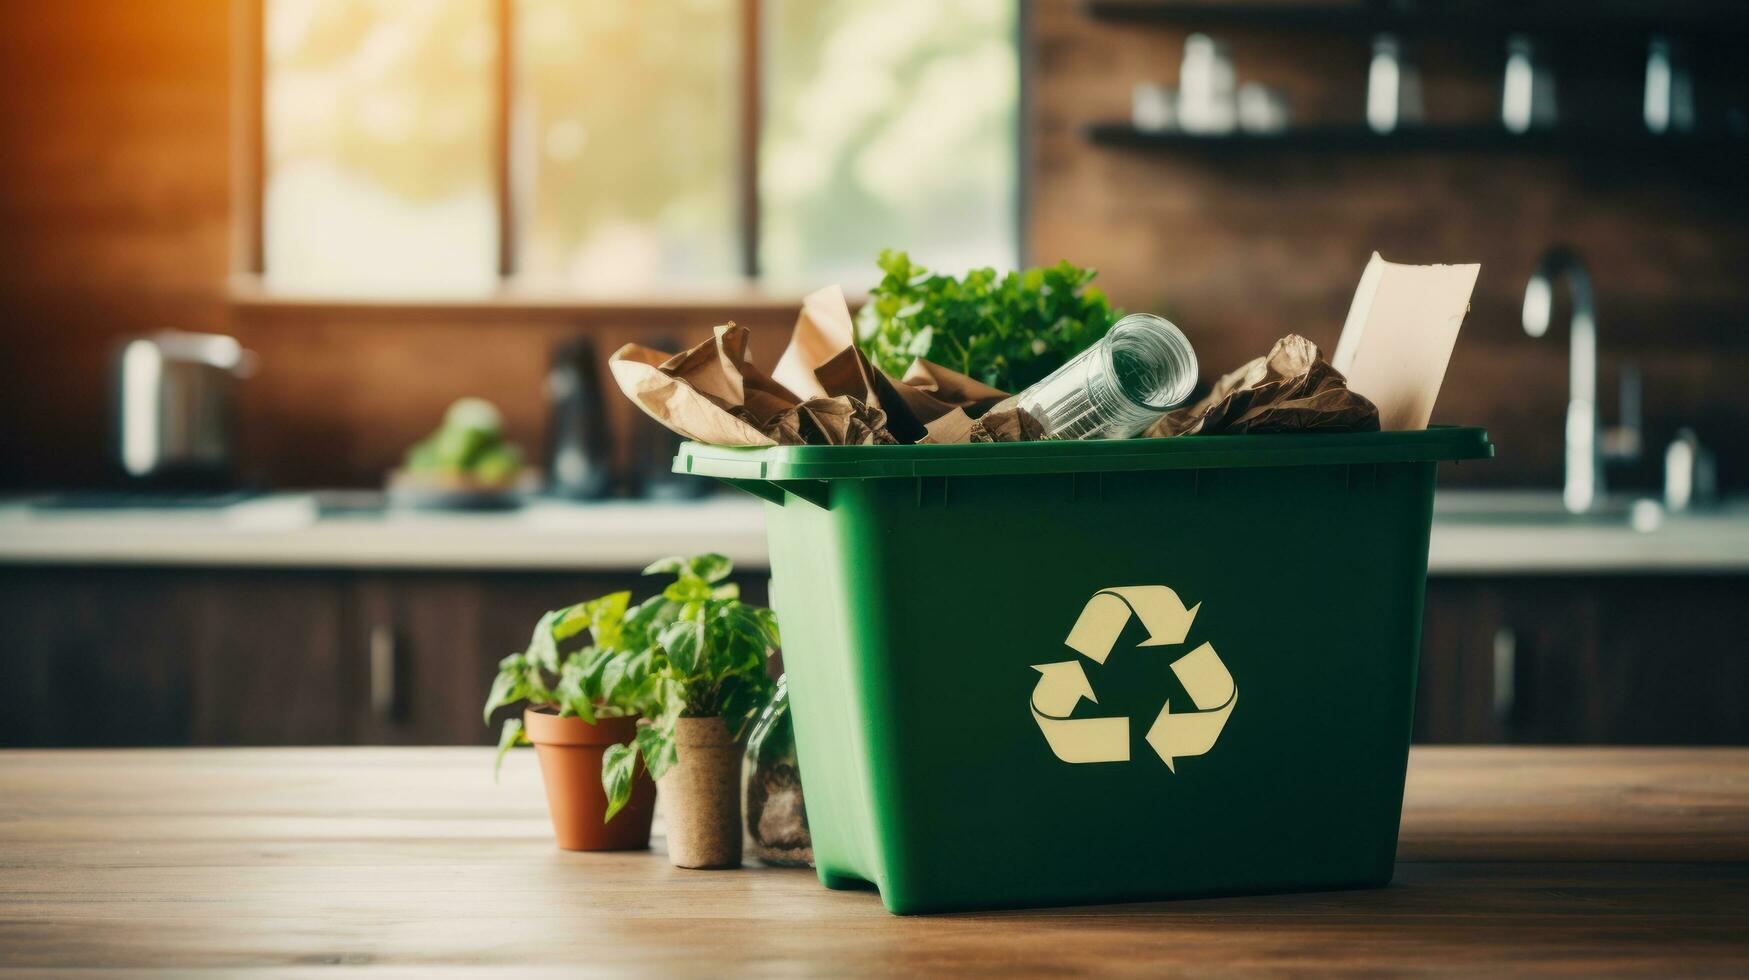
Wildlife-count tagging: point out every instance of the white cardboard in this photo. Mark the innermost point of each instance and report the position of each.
(1399, 336)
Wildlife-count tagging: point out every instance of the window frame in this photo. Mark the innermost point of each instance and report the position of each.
(249, 175)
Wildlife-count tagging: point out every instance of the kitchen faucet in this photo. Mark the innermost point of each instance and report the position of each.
(1586, 446)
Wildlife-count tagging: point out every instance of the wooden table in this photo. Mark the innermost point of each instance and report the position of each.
(1584, 861)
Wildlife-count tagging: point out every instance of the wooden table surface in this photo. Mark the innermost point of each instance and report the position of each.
(1578, 861)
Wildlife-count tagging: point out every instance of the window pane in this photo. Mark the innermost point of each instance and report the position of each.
(379, 146)
(888, 123)
(626, 127)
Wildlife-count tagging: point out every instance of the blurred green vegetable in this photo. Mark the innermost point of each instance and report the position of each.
(470, 442)
(1007, 331)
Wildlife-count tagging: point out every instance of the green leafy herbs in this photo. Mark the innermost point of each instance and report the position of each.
(470, 442)
(608, 674)
(693, 650)
(1007, 331)
(709, 654)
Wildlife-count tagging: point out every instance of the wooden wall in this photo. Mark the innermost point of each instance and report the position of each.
(115, 218)
(1241, 247)
(114, 207)
(343, 390)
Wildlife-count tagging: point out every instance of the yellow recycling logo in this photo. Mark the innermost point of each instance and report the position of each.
(1174, 734)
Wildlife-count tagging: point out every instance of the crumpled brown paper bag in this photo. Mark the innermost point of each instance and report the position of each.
(714, 394)
(823, 391)
(1292, 389)
(691, 392)
(1004, 422)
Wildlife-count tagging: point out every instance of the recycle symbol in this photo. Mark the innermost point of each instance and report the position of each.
(1174, 734)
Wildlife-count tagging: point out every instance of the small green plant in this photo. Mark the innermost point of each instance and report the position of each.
(693, 650)
(708, 657)
(610, 675)
(1007, 331)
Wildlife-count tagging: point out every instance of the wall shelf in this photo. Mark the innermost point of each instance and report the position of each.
(1447, 18)
(1489, 139)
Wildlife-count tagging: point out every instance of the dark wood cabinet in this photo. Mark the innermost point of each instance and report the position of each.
(267, 655)
(134, 656)
(116, 656)
(92, 659)
(428, 644)
(151, 656)
(1609, 660)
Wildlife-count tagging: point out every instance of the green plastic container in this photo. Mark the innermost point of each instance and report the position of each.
(1074, 672)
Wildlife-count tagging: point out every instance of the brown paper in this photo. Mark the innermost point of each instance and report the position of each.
(1007, 424)
(954, 427)
(840, 421)
(1292, 389)
(949, 387)
(657, 384)
(822, 332)
(823, 392)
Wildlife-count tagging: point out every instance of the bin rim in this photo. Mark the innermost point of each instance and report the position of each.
(782, 463)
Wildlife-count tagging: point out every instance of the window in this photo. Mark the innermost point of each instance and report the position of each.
(888, 123)
(378, 146)
(438, 147)
(626, 135)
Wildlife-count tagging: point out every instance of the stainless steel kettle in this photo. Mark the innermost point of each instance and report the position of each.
(174, 405)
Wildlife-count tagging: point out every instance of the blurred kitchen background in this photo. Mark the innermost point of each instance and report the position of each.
(388, 205)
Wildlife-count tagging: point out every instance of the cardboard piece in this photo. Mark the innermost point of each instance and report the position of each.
(1399, 336)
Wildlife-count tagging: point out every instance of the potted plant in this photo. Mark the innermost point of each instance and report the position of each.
(578, 703)
(707, 680)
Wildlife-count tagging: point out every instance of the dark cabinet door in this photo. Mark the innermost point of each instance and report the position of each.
(423, 647)
(94, 657)
(1638, 661)
(1612, 660)
(126, 657)
(266, 651)
(1460, 693)
(426, 645)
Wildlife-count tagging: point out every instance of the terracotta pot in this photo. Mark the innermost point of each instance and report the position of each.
(570, 751)
(703, 794)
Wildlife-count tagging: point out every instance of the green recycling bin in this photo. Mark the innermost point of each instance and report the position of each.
(1056, 673)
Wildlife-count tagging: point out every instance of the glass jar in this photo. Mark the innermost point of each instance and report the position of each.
(776, 816)
(1113, 390)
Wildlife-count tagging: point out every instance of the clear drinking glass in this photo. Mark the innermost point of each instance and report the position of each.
(1119, 386)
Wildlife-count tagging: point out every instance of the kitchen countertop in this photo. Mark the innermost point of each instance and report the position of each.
(294, 530)
(1536, 860)
(1474, 533)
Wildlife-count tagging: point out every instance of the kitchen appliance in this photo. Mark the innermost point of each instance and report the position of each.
(579, 459)
(174, 408)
